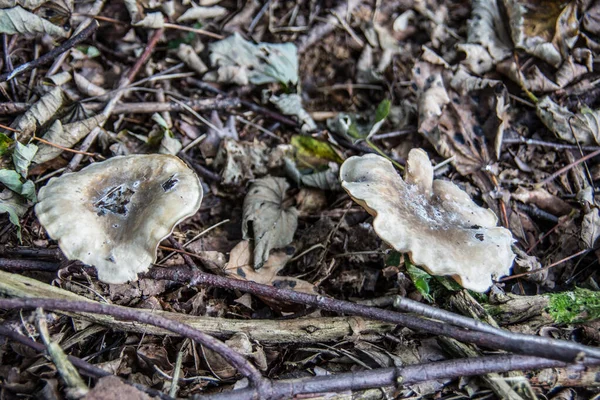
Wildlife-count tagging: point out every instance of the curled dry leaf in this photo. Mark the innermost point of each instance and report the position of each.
(38, 114)
(202, 13)
(27, 4)
(582, 127)
(434, 221)
(187, 54)
(65, 136)
(240, 266)
(291, 104)
(210, 145)
(113, 214)
(18, 20)
(266, 219)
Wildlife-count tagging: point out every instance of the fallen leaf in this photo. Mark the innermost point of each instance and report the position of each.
(22, 156)
(266, 220)
(65, 136)
(38, 114)
(291, 104)
(582, 127)
(18, 20)
(239, 61)
(240, 266)
(202, 13)
(241, 161)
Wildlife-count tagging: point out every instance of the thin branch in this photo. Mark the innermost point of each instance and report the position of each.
(52, 54)
(235, 359)
(384, 377)
(567, 168)
(152, 107)
(518, 343)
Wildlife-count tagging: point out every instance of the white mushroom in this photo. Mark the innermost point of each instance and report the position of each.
(113, 214)
(434, 221)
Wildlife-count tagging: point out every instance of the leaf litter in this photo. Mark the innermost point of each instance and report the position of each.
(502, 95)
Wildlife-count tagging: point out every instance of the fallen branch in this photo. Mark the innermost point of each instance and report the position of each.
(518, 343)
(299, 331)
(154, 107)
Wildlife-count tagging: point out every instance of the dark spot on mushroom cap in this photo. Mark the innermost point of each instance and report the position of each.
(480, 236)
(114, 201)
(475, 227)
(170, 183)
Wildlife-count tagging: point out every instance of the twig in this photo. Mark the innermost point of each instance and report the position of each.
(125, 81)
(27, 265)
(532, 345)
(384, 377)
(325, 28)
(567, 168)
(535, 142)
(52, 54)
(253, 107)
(76, 387)
(130, 314)
(152, 107)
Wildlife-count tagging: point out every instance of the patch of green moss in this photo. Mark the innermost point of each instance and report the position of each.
(579, 305)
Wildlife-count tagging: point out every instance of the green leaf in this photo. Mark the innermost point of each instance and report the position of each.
(11, 179)
(28, 191)
(393, 259)
(89, 51)
(310, 148)
(383, 110)
(22, 157)
(420, 279)
(5, 143)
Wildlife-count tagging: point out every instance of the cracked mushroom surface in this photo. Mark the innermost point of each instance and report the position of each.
(113, 214)
(434, 221)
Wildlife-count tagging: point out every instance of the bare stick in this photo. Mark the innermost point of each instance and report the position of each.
(52, 54)
(518, 343)
(151, 107)
(235, 359)
(567, 168)
(126, 81)
(385, 377)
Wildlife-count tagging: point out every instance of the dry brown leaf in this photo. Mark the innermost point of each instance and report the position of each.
(266, 219)
(240, 267)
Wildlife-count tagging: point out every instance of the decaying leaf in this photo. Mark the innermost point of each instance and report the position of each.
(266, 219)
(546, 29)
(240, 266)
(240, 343)
(582, 127)
(468, 127)
(38, 114)
(27, 4)
(88, 88)
(434, 221)
(241, 161)
(65, 136)
(153, 20)
(18, 20)
(241, 62)
(187, 54)
(162, 136)
(202, 13)
(291, 104)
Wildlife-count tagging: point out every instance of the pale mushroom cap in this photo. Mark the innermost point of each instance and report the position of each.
(434, 221)
(113, 214)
